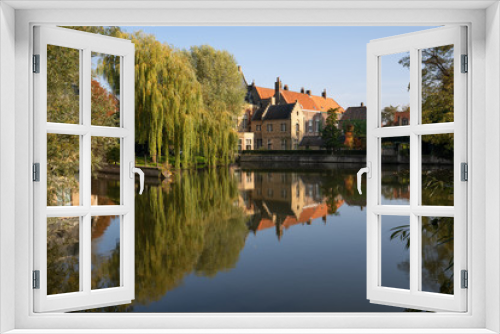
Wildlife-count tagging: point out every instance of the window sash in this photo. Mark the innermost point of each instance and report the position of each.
(414, 298)
(85, 297)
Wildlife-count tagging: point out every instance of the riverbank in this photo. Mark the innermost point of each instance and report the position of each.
(336, 159)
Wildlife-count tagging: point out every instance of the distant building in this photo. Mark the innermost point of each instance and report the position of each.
(314, 107)
(278, 126)
(401, 118)
(357, 113)
(348, 122)
(310, 115)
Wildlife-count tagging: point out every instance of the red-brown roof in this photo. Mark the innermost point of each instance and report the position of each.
(265, 224)
(264, 93)
(305, 100)
(309, 102)
(326, 104)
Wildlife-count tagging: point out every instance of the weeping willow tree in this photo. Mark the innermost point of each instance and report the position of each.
(184, 100)
(223, 99)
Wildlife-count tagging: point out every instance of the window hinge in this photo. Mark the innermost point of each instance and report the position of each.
(464, 171)
(36, 172)
(465, 279)
(36, 63)
(36, 279)
(465, 63)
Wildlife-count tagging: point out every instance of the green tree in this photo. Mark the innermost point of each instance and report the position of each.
(223, 99)
(330, 132)
(437, 90)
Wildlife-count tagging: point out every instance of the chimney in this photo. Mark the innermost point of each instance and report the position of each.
(308, 92)
(302, 90)
(239, 69)
(286, 87)
(362, 104)
(324, 94)
(277, 88)
(272, 101)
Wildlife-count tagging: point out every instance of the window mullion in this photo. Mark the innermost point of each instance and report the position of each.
(415, 258)
(86, 179)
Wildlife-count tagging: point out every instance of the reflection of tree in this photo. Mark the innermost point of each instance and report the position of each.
(192, 226)
(340, 182)
(437, 186)
(62, 255)
(437, 252)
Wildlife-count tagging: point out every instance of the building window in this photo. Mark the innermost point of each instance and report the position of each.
(317, 125)
(269, 128)
(283, 193)
(258, 143)
(270, 192)
(283, 127)
(295, 144)
(405, 121)
(283, 144)
(297, 127)
(239, 144)
(269, 144)
(248, 144)
(258, 128)
(310, 125)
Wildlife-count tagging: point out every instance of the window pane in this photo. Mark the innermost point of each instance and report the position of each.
(437, 254)
(437, 169)
(63, 85)
(63, 167)
(395, 247)
(105, 252)
(437, 84)
(105, 171)
(395, 183)
(105, 90)
(63, 255)
(395, 89)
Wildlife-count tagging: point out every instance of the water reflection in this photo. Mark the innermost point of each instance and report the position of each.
(258, 240)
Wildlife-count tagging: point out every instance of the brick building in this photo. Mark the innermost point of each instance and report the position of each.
(313, 110)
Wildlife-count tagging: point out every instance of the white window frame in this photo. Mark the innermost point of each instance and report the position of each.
(484, 308)
(376, 50)
(85, 130)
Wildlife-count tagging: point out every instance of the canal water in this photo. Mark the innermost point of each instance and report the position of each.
(254, 239)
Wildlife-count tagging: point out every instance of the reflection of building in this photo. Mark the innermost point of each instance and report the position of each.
(281, 200)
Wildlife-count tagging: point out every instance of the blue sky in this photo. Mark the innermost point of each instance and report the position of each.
(311, 57)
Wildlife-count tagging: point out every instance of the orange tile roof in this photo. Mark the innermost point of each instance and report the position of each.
(313, 212)
(326, 104)
(289, 221)
(305, 100)
(265, 224)
(309, 102)
(264, 93)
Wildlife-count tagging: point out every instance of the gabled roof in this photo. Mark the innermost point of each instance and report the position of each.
(264, 93)
(308, 102)
(355, 113)
(257, 115)
(326, 104)
(280, 111)
(305, 100)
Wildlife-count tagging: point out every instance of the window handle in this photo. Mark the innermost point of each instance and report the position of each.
(135, 170)
(368, 171)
